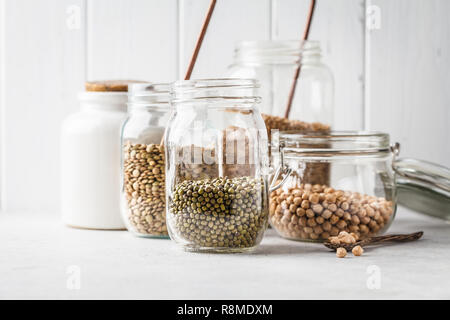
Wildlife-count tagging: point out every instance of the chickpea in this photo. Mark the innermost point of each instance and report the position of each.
(305, 204)
(310, 213)
(341, 252)
(326, 214)
(301, 212)
(357, 251)
(297, 201)
(314, 198)
(334, 240)
(314, 206)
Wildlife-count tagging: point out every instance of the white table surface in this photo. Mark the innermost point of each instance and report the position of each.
(37, 252)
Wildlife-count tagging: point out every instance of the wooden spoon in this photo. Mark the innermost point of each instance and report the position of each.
(376, 240)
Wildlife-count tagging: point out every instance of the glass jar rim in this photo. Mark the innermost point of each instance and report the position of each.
(215, 83)
(241, 90)
(256, 52)
(149, 95)
(277, 44)
(335, 141)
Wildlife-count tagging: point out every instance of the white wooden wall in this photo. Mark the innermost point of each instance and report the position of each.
(390, 58)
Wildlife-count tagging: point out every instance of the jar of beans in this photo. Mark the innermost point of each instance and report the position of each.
(217, 166)
(360, 196)
(143, 172)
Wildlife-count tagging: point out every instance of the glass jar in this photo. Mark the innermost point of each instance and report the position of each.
(273, 64)
(359, 198)
(143, 169)
(90, 160)
(217, 168)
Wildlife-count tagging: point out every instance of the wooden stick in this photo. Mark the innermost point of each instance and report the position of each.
(376, 240)
(200, 40)
(198, 45)
(298, 69)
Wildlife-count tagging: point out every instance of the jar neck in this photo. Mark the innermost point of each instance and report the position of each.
(333, 144)
(137, 109)
(232, 93)
(148, 98)
(277, 52)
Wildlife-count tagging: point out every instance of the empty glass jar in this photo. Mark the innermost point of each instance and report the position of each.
(143, 168)
(360, 196)
(217, 168)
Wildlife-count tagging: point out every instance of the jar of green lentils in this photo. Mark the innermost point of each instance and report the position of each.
(217, 166)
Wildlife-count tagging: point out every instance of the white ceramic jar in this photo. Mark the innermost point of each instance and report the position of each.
(90, 162)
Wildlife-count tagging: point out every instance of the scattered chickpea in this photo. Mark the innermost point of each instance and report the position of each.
(357, 251)
(348, 239)
(341, 253)
(334, 240)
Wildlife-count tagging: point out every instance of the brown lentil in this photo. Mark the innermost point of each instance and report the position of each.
(143, 184)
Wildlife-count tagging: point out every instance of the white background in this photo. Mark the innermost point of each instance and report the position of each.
(393, 76)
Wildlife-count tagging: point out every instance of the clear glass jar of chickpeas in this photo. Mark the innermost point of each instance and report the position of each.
(360, 196)
(143, 196)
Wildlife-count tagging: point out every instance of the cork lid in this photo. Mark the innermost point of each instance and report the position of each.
(109, 85)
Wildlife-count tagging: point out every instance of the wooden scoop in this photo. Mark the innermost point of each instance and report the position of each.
(376, 240)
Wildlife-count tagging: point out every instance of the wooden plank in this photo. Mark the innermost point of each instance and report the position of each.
(232, 21)
(339, 26)
(43, 71)
(132, 39)
(409, 57)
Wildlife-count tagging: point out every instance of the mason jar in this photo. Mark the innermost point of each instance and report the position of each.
(217, 168)
(360, 197)
(274, 63)
(143, 169)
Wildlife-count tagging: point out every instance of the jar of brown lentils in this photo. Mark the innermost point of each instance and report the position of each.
(359, 197)
(143, 173)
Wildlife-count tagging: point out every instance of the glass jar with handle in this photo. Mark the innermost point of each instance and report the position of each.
(365, 184)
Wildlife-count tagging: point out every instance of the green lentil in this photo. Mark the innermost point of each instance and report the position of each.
(235, 218)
